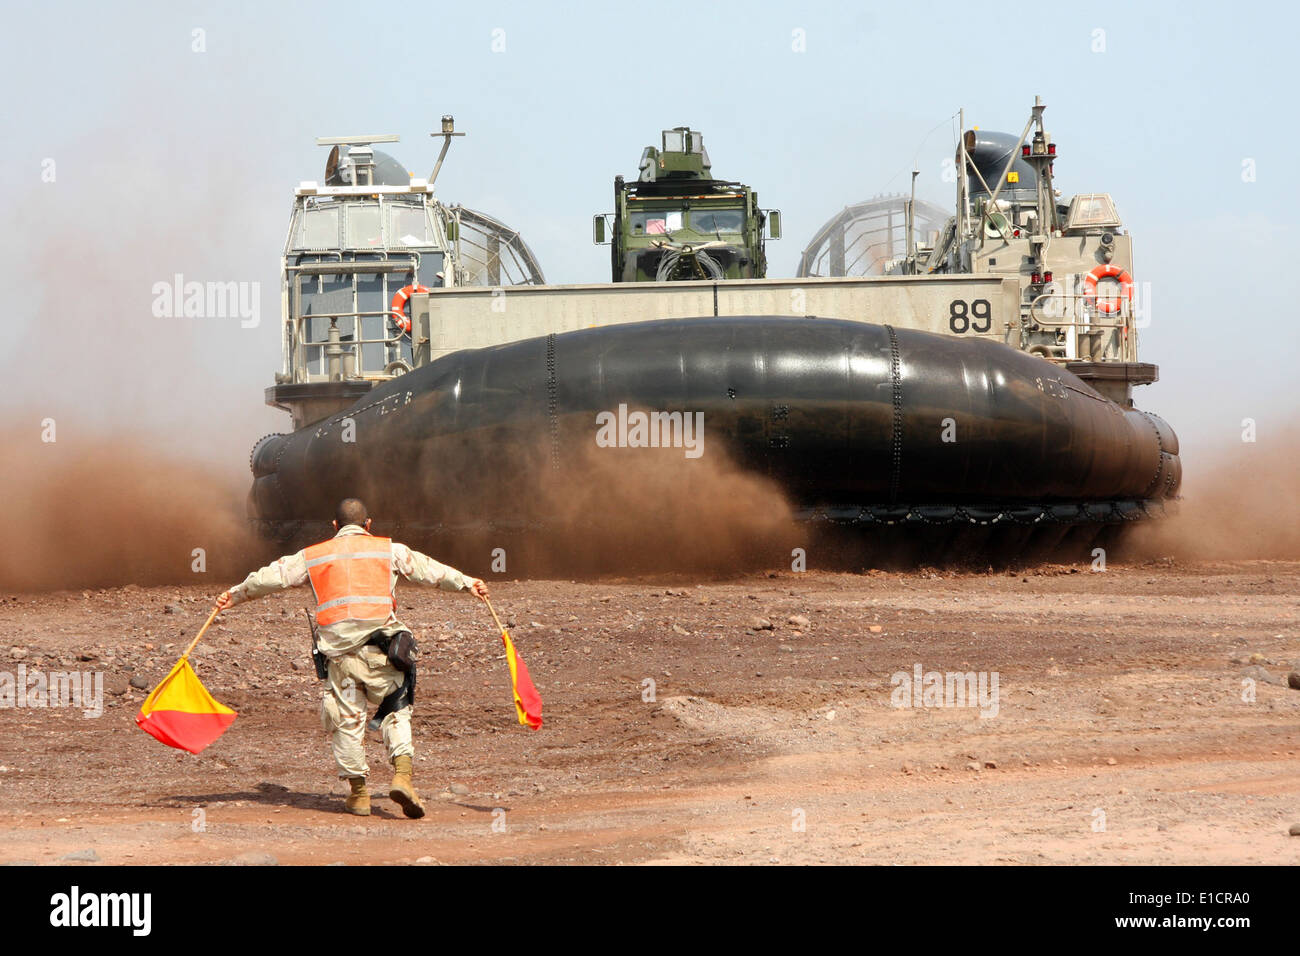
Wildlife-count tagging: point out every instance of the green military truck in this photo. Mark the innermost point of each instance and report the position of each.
(676, 222)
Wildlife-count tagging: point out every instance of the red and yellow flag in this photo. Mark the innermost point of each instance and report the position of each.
(181, 713)
(528, 703)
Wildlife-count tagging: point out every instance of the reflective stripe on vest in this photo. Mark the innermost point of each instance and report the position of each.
(352, 578)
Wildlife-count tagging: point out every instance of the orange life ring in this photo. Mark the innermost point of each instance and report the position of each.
(398, 306)
(1107, 271)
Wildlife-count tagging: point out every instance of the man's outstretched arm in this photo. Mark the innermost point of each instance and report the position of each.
(423, 569)
(287, 572)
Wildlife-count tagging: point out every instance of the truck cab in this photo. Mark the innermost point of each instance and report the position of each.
(676, 222)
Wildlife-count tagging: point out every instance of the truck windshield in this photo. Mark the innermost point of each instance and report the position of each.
(717, 220)
(655, 222)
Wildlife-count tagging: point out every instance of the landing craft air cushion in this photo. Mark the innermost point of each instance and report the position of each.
(979, 374)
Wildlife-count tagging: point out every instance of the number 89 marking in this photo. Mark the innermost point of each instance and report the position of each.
(961, 318)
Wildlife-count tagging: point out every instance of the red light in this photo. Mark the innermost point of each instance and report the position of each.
(1024, 150)
(1015, 233)
(1047, 277)
(1035, 278)
(1051, 149)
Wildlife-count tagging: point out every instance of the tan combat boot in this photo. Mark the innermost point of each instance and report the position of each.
(358, 801)
(403, 789)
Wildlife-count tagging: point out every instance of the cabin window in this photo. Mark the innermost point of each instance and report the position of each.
(363, 230)
(408, 226)
(318, 229)
(1092, 210)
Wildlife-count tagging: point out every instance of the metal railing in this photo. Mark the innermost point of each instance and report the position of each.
(344, 359)
(1079, 312)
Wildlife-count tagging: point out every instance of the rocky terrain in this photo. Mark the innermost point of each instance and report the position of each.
(1141, 715)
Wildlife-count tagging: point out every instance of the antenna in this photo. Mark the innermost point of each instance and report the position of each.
(447, 132)
(910, 248)
(356, 140)
(963, 213)
(338, 153)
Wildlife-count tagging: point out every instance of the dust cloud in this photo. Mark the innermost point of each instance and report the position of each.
(155, 412)
(578, 510)
(102, 512)
(105, 512)
(646, 509)
(1245, 504)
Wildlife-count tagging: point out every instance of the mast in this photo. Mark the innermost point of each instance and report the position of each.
(447, 132)
(910, 225)
(963, 212)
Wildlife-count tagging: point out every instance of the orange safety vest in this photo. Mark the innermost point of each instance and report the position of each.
(351, 576)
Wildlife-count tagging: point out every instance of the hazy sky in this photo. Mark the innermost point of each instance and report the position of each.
(169, 159)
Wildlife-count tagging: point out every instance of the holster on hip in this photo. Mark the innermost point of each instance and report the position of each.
(404, 696)
(399, 647)
(401, 652)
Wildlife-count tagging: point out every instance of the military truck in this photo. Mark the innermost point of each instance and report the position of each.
(676, 222)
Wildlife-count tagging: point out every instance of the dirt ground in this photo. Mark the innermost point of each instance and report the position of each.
(1142, 716)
